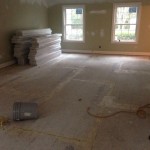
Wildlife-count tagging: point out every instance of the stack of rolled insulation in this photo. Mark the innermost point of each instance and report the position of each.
(44, 49)
(22, 41)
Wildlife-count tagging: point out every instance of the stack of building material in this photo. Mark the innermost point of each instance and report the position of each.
(23, 40)
(44, 49)
(32, 33)
(21, 48)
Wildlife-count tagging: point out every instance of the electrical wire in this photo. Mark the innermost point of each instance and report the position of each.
(140, 112)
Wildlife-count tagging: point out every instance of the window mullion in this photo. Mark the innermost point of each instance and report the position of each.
(124, 24)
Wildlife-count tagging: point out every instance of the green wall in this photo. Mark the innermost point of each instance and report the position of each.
(15, 16)
(98, 29)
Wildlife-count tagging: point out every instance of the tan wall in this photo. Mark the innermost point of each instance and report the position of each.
(100, 25)
(15, 15)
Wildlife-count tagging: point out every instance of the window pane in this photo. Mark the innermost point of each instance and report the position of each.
(125, 32)
(74, 32)
(133, 18)
(126, 15)
(74, 16)
(122, 16)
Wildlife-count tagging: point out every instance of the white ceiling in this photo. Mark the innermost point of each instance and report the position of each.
(54, 2)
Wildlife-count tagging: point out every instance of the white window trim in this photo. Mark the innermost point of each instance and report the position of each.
(138, 4)
(63, 10)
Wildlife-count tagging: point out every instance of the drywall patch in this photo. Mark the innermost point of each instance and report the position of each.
(87, 33)
(6, 7)
(102, 33)
(98, 12)
(39, 2)
(92, 33)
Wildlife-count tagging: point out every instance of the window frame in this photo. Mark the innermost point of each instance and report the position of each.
(64, 22)
(115, 5)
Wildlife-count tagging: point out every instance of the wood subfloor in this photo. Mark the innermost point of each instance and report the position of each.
(64, 89)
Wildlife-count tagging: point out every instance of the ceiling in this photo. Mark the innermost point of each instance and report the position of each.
(54, 2)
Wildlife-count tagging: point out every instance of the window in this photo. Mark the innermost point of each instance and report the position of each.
(126, 22)
(73, 21)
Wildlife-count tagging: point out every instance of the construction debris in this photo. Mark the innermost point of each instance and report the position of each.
(21, 48)
(44, 49)
(36, 46)
(25, 111)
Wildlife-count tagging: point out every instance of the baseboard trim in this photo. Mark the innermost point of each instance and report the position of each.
(77, 51)
(6, 64)
(106, 52)
(122, 53)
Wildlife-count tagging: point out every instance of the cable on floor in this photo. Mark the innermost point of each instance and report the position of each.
(140, 112)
